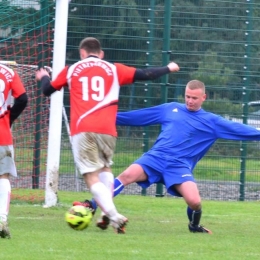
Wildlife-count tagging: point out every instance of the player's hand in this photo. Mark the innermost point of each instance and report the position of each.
(173, 67)
(41, 73)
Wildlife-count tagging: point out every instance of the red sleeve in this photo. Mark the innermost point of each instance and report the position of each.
(17, 86)
(61, 79)
(125, 74)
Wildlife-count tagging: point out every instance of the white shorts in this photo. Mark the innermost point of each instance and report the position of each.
(93, 151)
(7, 164)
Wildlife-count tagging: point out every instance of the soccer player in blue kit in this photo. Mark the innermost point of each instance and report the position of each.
(187, 133)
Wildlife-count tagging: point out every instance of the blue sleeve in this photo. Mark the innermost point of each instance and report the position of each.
(141, 117)
(226, 129)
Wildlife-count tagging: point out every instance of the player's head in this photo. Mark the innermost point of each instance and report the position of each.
(194, 95)
(90, 46)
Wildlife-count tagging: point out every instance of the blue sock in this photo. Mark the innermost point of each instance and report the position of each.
(118, 187)
(94, 204)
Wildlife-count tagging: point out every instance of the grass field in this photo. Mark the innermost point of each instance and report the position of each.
(157, 229)
(216, 168)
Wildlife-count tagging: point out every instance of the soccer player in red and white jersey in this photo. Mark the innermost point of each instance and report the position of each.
(10, 86)
(94, 86)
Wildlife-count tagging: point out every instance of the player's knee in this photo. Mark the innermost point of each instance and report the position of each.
(126, 177)
(195, 204)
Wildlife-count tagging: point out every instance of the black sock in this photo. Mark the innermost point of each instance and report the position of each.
(189, 213)
(194, 216)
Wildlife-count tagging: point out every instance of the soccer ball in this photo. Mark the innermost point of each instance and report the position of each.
(78, 217)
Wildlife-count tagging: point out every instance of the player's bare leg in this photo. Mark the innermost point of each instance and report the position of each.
(134, 173)
(190, 193)
(103, 198)
(5, 194)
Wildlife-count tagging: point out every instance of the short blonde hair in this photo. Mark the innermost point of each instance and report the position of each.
(196, 84)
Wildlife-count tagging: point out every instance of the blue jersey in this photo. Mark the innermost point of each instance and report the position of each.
(185, 135)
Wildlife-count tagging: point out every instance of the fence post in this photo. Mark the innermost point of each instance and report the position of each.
(165, 54)
(38, 119)
(147, 86)
(246, 78)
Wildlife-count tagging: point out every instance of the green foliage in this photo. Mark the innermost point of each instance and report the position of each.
(223, 107)
(115, 23)
(157, 229)
(22, 25)
(212, 71)
(15, 20)
(215, 26)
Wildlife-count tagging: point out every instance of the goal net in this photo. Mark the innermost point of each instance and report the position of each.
(26, 41)
(30, 136)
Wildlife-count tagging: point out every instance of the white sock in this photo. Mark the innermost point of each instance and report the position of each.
(108, 179)
(5, 195)
(104, 199)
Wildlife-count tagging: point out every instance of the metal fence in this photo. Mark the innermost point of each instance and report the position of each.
(213, 41)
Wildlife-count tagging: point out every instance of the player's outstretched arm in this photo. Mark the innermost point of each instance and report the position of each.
(227, 129)
(173, 67)
(155, 72)
(43, 76)
(141, 117)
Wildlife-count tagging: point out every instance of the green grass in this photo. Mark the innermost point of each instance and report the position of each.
(219, 168)
(226, 169)
(157, 230)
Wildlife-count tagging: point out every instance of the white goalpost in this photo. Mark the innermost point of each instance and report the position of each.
(56, 105)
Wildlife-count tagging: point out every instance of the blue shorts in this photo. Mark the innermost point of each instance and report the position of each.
(164, 170)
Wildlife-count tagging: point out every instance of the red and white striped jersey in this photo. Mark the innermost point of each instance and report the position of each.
(94, 86)
(10, 85)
